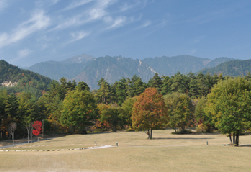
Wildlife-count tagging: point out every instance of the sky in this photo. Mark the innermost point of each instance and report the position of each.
(33, 31)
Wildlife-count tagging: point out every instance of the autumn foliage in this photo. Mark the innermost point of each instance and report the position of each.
(149, 111)
(37, 125)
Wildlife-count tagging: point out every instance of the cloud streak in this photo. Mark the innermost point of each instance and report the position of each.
(146, 24)
(55, 1)
(94, 13)
(23, 53)
(118, 22)
(76, 4)
(76, 36)
(37, 22)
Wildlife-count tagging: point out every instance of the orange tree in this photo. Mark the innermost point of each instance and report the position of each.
(149, 111)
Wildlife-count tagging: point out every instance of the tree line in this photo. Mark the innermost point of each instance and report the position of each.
(178, 101)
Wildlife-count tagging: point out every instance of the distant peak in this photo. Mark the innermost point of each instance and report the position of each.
(79, 59)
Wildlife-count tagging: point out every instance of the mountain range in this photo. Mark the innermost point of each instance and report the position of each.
(90, 69)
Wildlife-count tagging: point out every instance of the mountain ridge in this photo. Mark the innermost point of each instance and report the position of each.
(90, 69)
(230, 68)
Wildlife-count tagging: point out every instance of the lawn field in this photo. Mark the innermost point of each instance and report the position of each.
(165, 152)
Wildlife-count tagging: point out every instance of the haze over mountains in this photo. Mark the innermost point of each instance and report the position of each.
(90, 69)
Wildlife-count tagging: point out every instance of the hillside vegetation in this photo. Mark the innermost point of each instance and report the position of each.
(230, 68)
(26, 80)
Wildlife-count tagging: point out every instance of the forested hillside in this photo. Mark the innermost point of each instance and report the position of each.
(231, 68)
(26, 80)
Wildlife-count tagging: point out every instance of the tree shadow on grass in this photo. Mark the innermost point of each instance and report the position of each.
(175, 138)
(104, 132)
(204, 133)
(244, 145)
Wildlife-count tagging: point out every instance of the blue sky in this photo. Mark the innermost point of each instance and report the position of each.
(33, 31)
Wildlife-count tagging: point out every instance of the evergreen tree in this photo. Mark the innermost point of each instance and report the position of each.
(155, 82)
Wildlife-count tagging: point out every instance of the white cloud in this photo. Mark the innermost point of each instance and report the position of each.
(94, 13)
(78, 35)
(118, 22)
(44, 46)
(147, 23)
(107, 19)
(76, 4)
(104, 3)
(198, 39)
(70, 22)
(3, 4)
(193, 51)
(126, 6)
(55, 1)
(138, 3)
(23, 53)
(37, 22)
(41, 4)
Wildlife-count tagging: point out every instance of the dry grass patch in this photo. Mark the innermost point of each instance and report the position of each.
(135, 153)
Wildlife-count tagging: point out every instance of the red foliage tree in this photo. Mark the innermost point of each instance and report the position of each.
(149, 111)
(37, 125)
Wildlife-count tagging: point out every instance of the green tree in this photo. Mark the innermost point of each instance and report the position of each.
(166, 85)
(27, 111)
(104, 91)
(229, 106)
(121, 91)
(180, 83)
(82, 86)
(155, 82)
(180, 108)
(137, 86)
(109, 116)
(126, 113)
(204, 123)
(79, 110)
(193, 86)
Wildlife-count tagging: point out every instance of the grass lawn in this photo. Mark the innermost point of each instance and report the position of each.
(165, 152)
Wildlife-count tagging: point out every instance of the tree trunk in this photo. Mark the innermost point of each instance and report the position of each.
(234, 141)
(230, 138)
(28, 130)
(31, 135)
(151, 134)
(28, 135)
(13, 137)
(183, 129)
(114, 128)
(237, 138)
